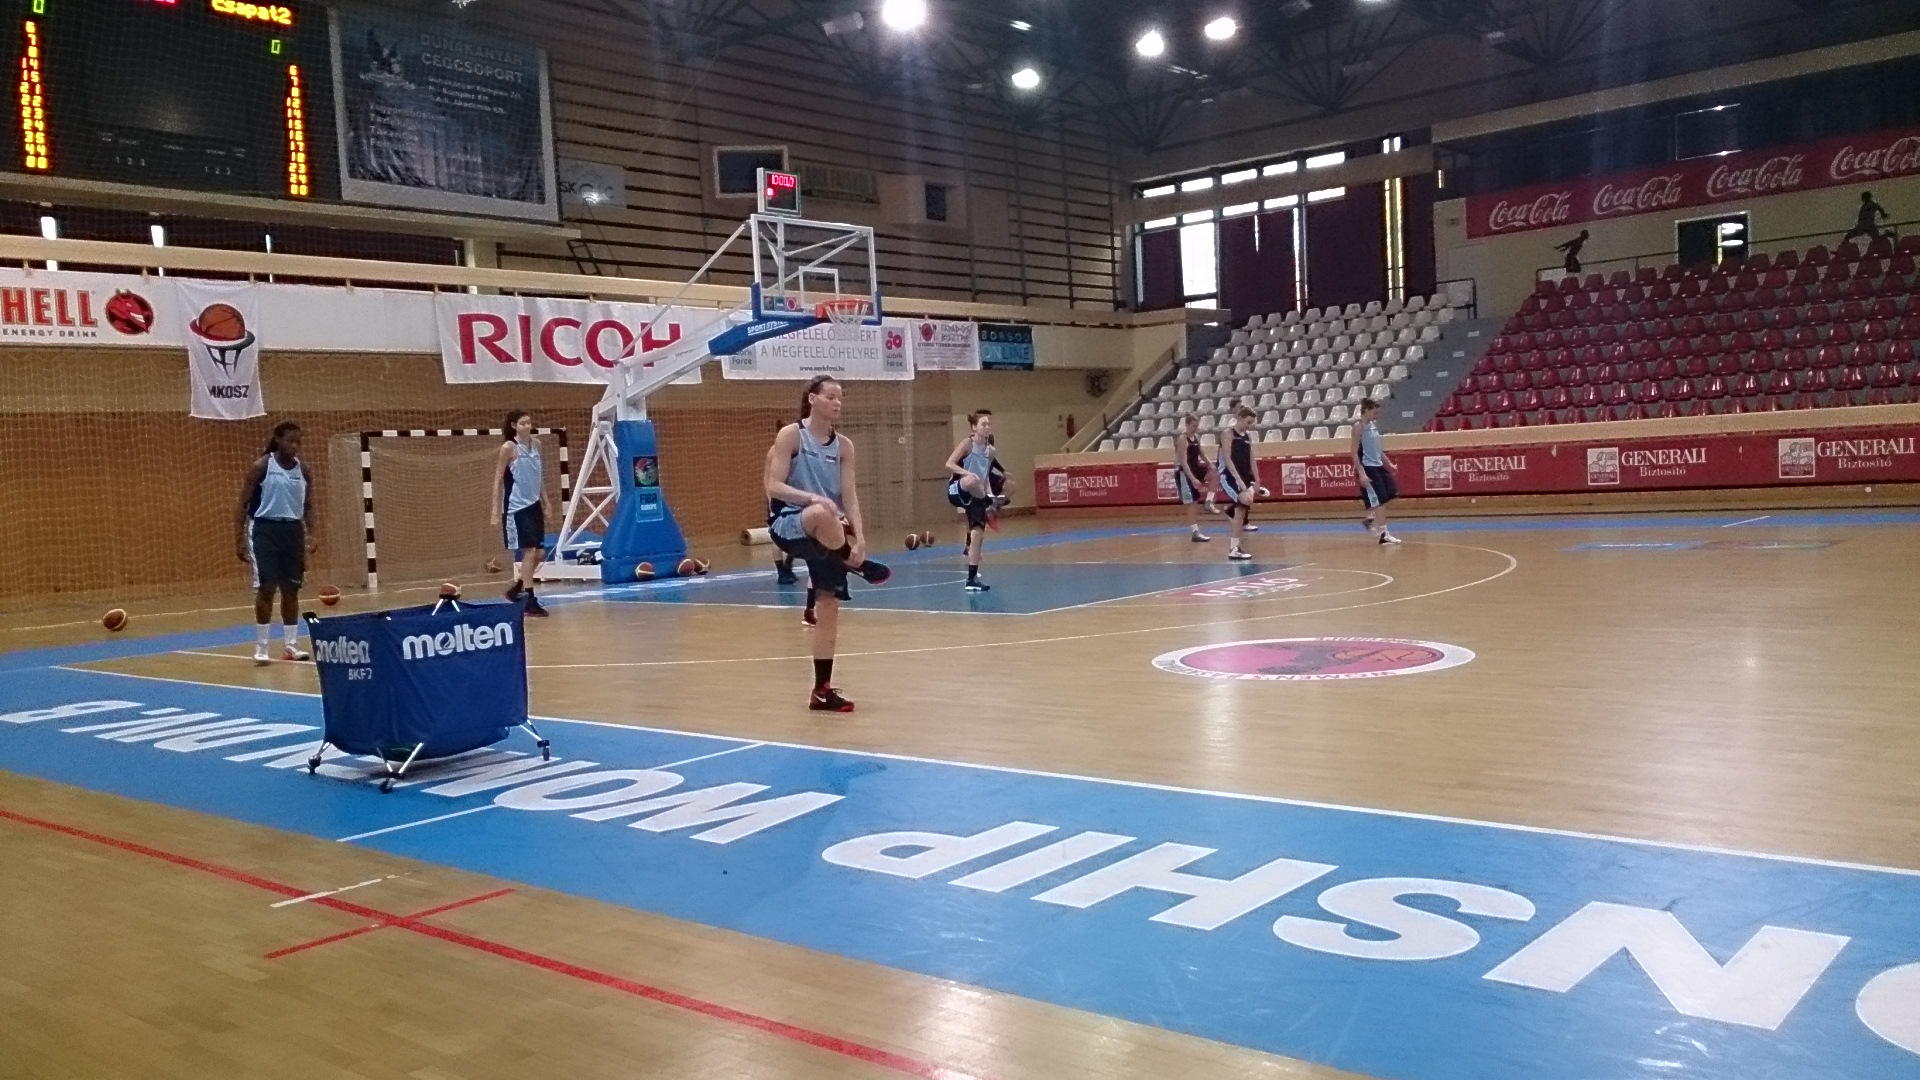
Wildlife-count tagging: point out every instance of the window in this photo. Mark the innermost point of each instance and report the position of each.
(1203, 183)
(1326, 193)
(1321, 161)
(1282, 203)
(736, 169)
(1196, 217)
(1156, 192)
(936, 202)
(1199, 261)
(1239, 176)
(1240, 208)
(1161, 223)
(1282, 169)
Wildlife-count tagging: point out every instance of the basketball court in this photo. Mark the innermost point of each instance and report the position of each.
(1526, 797)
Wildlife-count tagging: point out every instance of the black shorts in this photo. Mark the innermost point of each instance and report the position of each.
(976, 508)
(1187, 494)
(825, 570)
(279, 549)
(1384, 489)
(525, 528)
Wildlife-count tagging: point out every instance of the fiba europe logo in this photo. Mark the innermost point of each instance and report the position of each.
(224, 334)
(1313, 659)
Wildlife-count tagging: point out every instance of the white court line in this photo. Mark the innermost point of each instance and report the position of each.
(333, 892)
(1749, 521)
(1538, 830)
(411, 824)
(1177, 588)
(704, 757)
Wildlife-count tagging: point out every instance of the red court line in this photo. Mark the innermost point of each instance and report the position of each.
(924, 1070)
(401, 921)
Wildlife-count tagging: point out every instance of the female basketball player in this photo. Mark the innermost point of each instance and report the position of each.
(275, 503)
(1192, 473)
(1239, 478)
(813, 513)
(1371, 464)
(971, 489)
(519, 504)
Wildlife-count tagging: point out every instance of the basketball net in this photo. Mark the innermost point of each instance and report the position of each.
(843, 315)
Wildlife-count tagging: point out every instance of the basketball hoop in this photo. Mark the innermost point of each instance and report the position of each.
(843, 315)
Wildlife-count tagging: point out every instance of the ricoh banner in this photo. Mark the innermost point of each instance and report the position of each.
(1854, 159)
(1762, 459)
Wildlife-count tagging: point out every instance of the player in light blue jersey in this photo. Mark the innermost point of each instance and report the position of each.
(519, 504)
(972, 488)
(276, 502)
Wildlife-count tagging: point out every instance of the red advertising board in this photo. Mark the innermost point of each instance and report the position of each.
(1854, 159)
(1764, 459)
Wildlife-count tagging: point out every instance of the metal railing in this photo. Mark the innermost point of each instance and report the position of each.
(1661, 259)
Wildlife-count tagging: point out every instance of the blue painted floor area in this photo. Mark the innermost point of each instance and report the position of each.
(937, 585)
(1389, 945)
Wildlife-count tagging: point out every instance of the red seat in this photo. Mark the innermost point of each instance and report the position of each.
(1635, 331)
(1786, 260)
(1910, 244)
(1515, 380)
(1545, 379)
(1714, 388)
(1757, 262)
(1885, 310)
(1559, 398)
(1721, 324)
(1902, 264)
(1692, 326)
(1660, 290)
(1805, 401)
(1667, 369)
(1535, 360)
(1569, 416)
(1770, 339)
(1575, 376)
(1646, 275)
(1786, 318)
(1794, 360)
(1890, 286)
(1486, 384)
(1682, 391)
(1702, 305)
(1863, 355)
(1870, 267)
(1472, 405)
(1616, 394)
(1881, 247)
(1661, 329)
(1761, 362)
(1647, 393)
(1815, 381)
(1827, 292)
(1848, 251)
(1851, 311)
(1528, 401)
(1837, 273)
(1727, 364)
(1577, 337)
(1794, 296)
(1500, 402)
(1620, 279)
(1817, 255)
(1688, 287)
(1506, 363)
(1631, 371)
(1780, 382)
(1569, 285)
(1840, 334)
(1587, 397)
(1483, 367)
(1914, 379)
(1909, 328)
(1776, 279)
(1882, 397)
(1900, 352)
(1829, 356)
(1854, 378)
(1806, 275)
(1561, 320)
(1694, 367)
(1607, 335)
(1449, 407)
(1818, 315)
(1804, 337)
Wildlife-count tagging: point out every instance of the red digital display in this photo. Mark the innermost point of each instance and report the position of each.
(782, 180)
(779, 193)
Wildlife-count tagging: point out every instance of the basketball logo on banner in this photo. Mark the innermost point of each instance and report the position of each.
(223, 351)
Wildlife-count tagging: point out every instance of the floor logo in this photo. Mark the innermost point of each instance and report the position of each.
(1309, 659)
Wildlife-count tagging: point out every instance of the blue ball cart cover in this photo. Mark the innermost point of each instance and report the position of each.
(421, 682)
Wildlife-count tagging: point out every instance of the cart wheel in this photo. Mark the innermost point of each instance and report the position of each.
(386, 785)
(546, 751)
(313, 764)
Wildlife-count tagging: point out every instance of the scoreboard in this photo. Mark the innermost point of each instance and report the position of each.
(209, 95)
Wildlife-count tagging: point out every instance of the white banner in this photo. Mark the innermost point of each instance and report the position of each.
(223, 348)
(55, 307)
(874, 353)
(945, 346)
(537, 339)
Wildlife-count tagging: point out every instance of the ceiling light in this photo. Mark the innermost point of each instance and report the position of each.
(904, 14)
(1293, 9)
(850, 23)
(1026, 79)
(1022, 24)
(1150, 44)
(1222, 28)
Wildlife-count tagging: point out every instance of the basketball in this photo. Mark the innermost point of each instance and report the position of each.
(913, 541)
(329, 595)
(220, 322)
(700, 566)
(449, 590)
(687, 568)
(643, 572)
(115, 620)
(926, 539)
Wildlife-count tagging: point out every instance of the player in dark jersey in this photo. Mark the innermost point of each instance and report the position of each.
(1239, 477)
(970, 488)
(813, 513)
(1192, 475)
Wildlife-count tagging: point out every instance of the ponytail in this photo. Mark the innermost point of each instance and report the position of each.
(814, 386)
(512, 419)
(273, 441)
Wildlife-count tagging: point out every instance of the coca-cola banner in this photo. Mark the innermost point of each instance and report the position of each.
(1768, 459)
(1854, 159)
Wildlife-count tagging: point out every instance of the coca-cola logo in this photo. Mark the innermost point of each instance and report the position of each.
(1553, 208)
(1897, 158)
(1658, 193)
(1783, 173)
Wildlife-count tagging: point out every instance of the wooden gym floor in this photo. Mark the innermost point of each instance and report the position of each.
(1603, 715)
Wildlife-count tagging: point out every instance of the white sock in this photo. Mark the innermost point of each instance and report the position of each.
(261, 631)
(291, 633)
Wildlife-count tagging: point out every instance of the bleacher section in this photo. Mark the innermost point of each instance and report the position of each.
(1792, 331)
(1304, 373)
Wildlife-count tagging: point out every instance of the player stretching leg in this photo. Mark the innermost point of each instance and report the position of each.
(813, 514)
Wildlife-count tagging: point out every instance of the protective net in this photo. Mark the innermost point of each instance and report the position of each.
(111, 493)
